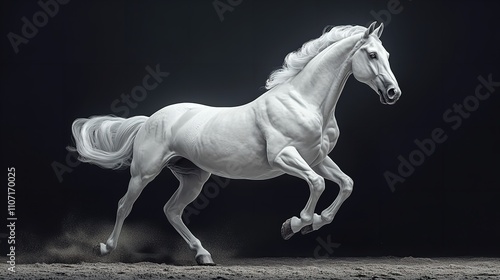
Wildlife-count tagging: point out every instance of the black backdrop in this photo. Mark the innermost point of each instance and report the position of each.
(91, 52)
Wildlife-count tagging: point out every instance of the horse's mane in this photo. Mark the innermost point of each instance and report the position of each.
(297, 60)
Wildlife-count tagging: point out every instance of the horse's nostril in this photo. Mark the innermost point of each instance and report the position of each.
(391, 93)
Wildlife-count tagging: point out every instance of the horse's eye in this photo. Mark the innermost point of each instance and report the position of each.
(373, 55)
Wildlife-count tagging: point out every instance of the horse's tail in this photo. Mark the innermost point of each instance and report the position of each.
(106, 141)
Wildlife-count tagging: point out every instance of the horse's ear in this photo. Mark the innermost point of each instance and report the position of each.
(369, 30)
(379, 30)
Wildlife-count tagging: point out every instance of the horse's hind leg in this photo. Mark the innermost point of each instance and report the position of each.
(191, 182)
(143, 169)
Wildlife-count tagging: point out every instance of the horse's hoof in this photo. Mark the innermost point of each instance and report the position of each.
(98, 249)
(307, 229)
(286, 229)
(205, 260)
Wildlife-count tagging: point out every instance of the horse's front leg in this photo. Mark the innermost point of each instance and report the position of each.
(330, 171)
(290, 161)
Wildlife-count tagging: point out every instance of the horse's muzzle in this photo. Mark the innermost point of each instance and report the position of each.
(390, 96)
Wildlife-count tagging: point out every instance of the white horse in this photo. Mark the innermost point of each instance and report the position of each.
(290, 129)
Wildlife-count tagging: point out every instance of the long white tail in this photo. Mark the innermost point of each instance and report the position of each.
(106, 141)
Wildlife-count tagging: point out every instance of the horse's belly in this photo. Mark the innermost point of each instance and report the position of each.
(237, 169)
(238, 155)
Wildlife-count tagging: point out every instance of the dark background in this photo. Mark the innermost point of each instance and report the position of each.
(93, 51)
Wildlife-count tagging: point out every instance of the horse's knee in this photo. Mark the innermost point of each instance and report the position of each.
(347, 185)
(165, 209)
(169, 213)
(318, 184)
(172, 215)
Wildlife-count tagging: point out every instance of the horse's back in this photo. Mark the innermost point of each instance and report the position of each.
(157, 130)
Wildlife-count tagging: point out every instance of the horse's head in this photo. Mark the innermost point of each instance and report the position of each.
(370, 65)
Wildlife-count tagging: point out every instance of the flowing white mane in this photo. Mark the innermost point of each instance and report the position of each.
(297, 60)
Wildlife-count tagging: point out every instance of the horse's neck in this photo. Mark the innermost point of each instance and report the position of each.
(321, 82)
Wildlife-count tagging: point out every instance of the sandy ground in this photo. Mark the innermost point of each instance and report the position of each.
(270, 268)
